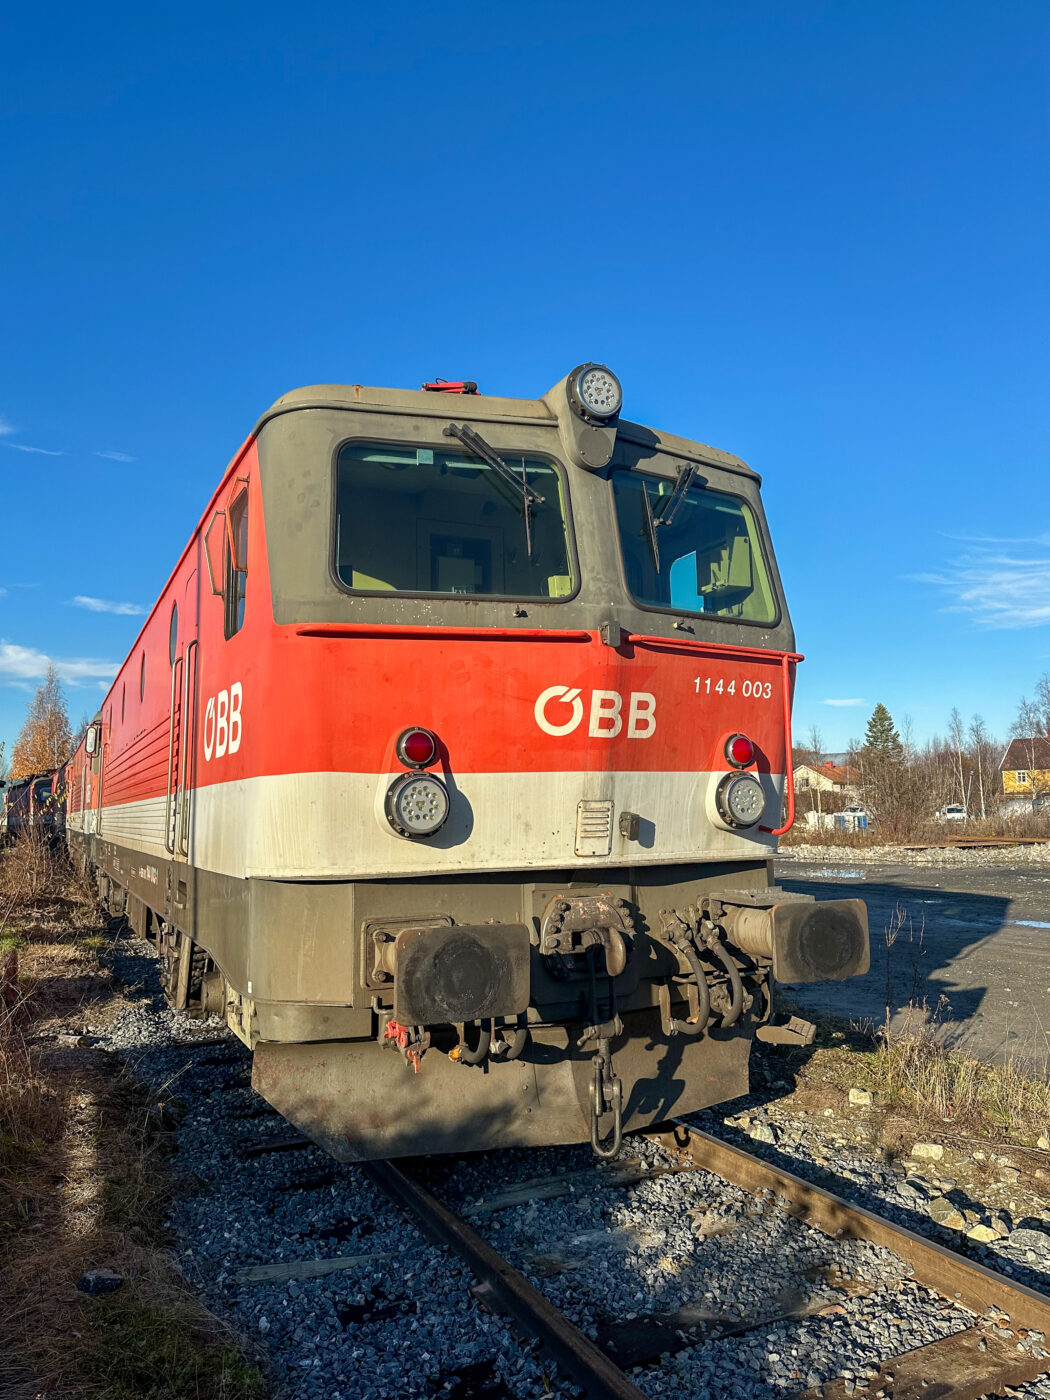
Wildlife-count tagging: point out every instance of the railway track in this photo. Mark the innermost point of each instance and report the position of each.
(1000, 1351)
(977, 843)
(348, 1290)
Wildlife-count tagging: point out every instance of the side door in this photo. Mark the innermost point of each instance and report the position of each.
(190, 713)
(178, 670)
(182, 657)
(98, 766)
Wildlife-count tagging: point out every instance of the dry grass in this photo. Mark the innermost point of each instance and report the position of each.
(916, 1072)
(84, 1181)
(923, 1083)
(920, 1072)
(934, 832)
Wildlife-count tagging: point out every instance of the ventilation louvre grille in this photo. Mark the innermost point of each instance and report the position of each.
(594, 828)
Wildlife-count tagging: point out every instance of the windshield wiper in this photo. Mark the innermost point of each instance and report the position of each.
(677, 496)
(667, 511)
(649, 528)
(476, 443)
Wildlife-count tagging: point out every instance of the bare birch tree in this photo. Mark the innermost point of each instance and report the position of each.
(955, 736)
(981, 752)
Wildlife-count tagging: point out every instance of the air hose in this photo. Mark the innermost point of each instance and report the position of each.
(685, 947)
(736, 1004)
(463, 1053)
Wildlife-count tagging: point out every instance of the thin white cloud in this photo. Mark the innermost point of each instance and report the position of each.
(18, 663)
(43, 451)
(998, 589)
(843, 702)
(114, 456)
(6, 427)
(3, 592)
(103, 605)
(1000, 539)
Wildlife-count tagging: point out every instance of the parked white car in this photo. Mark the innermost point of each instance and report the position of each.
(954, 812)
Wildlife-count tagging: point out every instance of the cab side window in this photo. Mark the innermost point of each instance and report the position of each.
(236, 564)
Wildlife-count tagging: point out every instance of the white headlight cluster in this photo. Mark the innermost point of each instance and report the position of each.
(740, 800)
(417, 804)
(595, 393)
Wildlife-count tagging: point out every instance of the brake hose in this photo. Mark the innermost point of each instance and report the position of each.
(703, 1014)
(467, 1056)
(516, 1043)
(736, 1004)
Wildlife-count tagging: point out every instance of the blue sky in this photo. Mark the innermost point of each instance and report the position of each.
(815, 235)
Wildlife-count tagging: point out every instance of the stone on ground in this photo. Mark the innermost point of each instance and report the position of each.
(100, 1281)
(928, 1151)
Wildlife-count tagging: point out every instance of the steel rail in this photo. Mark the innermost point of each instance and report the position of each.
(600, 1377)
(939, 1269)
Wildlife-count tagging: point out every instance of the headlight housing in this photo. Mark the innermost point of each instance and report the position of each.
(417, 805)
(740, 800)
(595, 393)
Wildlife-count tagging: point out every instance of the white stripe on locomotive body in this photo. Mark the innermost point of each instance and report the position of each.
(329, 825)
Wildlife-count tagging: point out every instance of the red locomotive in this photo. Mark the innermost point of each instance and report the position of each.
(34, 804)
(449, 767)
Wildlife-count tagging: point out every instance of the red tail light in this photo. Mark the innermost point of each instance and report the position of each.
(417, 748)
(740, 751)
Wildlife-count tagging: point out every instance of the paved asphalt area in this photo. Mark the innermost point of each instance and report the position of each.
(974, 940)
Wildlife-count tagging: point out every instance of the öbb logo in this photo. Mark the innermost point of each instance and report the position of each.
(606, 713)
(222, 723)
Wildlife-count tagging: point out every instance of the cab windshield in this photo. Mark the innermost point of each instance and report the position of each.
(425, 520)
(694, 551)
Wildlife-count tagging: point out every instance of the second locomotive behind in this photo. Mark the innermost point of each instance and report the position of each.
(449, 767)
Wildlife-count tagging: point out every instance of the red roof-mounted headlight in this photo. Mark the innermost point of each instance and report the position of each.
(740, 751)
(417, 748)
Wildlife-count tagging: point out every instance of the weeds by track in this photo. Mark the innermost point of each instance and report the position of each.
(84, 1178)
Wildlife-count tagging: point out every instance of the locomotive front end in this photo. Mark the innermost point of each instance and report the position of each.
(517, 888)
(449, 768)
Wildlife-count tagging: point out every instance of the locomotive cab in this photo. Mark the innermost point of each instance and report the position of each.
(477, 737)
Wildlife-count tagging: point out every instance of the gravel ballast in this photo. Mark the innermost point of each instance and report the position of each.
(404, 1322)
(856, 857)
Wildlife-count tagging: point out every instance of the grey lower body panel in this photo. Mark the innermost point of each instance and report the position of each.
(361, 1101)
(301, 953)
(301, 950)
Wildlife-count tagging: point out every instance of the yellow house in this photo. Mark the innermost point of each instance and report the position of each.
(1025, 767)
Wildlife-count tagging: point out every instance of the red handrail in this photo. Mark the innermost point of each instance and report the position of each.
(417, 632)
(789, 765)
(716, 648)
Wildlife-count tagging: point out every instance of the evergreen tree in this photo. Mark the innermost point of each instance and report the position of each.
(45, 741)
(882, 766)
(881, 739)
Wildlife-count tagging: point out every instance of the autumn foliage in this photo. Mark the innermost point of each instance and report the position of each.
(46, 740)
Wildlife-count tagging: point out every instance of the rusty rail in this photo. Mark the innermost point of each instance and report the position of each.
(601, 1378)
(967, 1364)
(977, 843)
